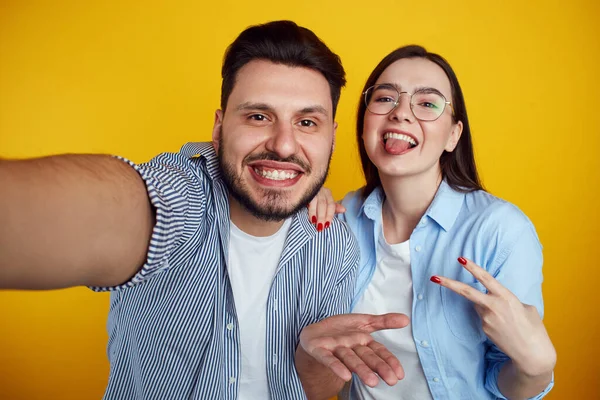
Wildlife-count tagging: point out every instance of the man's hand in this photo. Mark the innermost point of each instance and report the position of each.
(343, 343)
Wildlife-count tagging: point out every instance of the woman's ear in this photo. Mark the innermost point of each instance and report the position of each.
(457, 129)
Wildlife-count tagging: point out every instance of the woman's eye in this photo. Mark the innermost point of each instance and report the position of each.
(384, 100)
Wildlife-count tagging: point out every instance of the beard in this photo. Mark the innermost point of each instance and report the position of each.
(274, 205)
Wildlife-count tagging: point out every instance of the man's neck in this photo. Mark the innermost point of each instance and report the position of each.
(250, 224)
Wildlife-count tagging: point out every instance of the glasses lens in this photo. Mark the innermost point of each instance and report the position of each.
(428, 106)
(381, 99)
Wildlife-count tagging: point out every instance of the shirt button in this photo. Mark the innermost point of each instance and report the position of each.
(420, 297)
(232, 380)
(436, 380)
(418, 248)
(424, 222)
(230, 326)
(425, 343)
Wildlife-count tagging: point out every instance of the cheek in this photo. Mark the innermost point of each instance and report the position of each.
(317, 150)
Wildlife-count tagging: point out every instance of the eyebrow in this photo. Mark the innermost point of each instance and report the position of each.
(254, 106)
(427, 89)
(266, 107)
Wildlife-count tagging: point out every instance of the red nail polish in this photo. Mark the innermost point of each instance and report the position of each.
(327, 224)
(435, 279)
(314, 219)
(319, 227)
(462, 260)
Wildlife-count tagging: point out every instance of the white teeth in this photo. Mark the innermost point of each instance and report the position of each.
(400, 136)
(275, 174)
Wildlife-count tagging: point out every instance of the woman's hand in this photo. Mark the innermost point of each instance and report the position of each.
(514, 327)
(322, 208)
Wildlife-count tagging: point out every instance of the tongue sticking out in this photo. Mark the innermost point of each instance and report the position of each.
(396, 146)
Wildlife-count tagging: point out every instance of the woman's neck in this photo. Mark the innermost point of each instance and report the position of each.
(406, 200)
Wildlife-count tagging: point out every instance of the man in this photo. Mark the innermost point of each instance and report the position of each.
(213, 265)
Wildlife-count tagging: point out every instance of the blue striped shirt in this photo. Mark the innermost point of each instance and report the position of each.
(173, 330)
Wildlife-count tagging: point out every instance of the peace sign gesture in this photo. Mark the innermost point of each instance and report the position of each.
(514, 327)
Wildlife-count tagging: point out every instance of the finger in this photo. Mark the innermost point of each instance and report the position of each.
(462, 289)
(321, 209)
(389, 359)
(377, 364)
(484, 277)
(355, 364)
(312, 210)
(330, 213)
(371, 323)
(339, 209)
(329, 360)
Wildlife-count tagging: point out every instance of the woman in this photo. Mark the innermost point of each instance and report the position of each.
(475, 333)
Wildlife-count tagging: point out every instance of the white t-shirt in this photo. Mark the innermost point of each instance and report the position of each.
(251, 267)
(391, 290)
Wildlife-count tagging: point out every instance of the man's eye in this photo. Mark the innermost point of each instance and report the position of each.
(257, 117)
(307, 123)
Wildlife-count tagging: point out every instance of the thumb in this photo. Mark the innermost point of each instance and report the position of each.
(374, 323)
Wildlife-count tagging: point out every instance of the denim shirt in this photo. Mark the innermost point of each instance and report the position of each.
(459, 361)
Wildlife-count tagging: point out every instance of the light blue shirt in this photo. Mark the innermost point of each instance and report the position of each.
(458, 360)
(173, 328)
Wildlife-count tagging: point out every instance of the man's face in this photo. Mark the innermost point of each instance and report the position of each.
(275, 138)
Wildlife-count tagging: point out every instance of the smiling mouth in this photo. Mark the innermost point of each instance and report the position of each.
(274, 174)
(398, 143)
(393, 137)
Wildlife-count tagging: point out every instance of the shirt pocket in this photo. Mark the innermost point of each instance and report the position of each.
(462, 319)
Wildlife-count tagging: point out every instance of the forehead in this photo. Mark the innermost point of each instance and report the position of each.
(280, 86)
(411, 73)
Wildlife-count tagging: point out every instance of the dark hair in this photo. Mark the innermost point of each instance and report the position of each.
(282, 42)
(458, 167)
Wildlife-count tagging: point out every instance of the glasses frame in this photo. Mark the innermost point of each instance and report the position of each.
(397, 102)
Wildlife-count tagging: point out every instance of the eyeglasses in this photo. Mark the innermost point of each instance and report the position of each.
(426, 104)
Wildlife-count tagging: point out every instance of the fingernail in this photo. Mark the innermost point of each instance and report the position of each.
(327, 224)
(435, 279)
(314, 219)
(319, 227)
(462, 260)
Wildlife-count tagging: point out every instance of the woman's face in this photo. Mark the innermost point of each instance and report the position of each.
(399, 144)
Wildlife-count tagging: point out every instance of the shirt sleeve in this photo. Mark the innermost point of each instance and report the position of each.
(519, 269)
(178, 200)
(340, 298)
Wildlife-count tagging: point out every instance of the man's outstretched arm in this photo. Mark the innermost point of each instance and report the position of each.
(71, 220)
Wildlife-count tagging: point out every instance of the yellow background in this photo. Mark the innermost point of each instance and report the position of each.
(137, 78)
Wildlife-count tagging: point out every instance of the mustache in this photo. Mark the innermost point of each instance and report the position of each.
(270, 156)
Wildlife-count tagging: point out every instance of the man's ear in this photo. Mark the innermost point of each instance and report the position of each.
(454, 137)
(216, 133)
(335, 126)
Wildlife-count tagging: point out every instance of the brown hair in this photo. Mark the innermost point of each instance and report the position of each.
(458, 167)
(282, 42)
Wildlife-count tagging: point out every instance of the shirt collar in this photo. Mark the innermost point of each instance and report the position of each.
(205, 151)
(373, 203)
(444, 208)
